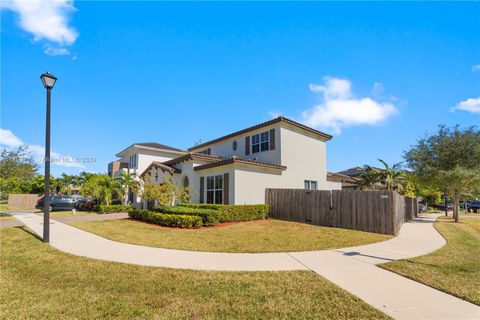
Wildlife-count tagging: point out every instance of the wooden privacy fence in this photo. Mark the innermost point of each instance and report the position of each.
(22, 201)
(372, 211)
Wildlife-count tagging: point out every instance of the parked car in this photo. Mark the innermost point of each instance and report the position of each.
(473, 206)
(60, 202)
(422, 208)
(441, 206)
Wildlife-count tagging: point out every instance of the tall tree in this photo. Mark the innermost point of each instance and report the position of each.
(17, 168)
(448, 159)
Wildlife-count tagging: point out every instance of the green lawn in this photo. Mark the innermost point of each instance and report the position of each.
(3, 207)
(253, 236)
(454, 268)
(65, 214)
(39, 282)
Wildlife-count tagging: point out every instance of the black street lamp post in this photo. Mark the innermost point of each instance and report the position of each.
(48, 81)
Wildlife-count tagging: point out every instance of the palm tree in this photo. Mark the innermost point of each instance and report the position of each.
(66, 183)
(83, 177)
(393, 176)
(369, 177)
(107, 188)
(129, 183)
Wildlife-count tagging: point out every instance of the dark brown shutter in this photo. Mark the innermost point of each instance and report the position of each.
(226, 188)
(202, 186)
(272, 139)
(247, 145)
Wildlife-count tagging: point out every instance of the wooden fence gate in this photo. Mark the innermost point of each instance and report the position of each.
(372, 211)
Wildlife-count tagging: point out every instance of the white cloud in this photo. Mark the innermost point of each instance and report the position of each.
(340, 108)
(471, 105)
(45, 19)
(56, 51)
(9, 139)
(476, 68)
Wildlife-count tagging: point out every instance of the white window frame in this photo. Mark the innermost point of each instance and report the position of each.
(214, 189)
(262, 142)
(311, 185)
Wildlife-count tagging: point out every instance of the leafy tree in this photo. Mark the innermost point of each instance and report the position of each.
(448, 159)
(17, 163)
(129, 183)
(408, 188)
(17, 168)
(166, 193)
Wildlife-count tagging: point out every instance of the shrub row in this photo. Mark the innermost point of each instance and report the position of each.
(169, 220)
(209, 217)
(230, 213)
(112, 208)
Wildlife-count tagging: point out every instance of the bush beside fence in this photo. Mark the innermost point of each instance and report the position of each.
(169, 220)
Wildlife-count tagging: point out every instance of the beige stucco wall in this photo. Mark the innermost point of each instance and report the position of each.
(305, 155)
(224, 148)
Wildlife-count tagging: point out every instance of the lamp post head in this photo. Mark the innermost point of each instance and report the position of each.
(48, 80)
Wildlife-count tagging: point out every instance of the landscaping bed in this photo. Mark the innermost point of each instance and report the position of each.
(455, 268)
(253, 236)
(182, 216)
(41, 282)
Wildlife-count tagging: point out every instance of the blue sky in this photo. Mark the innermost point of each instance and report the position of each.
(376, 75)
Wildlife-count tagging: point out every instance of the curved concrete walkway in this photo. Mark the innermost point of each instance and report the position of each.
(351, 268)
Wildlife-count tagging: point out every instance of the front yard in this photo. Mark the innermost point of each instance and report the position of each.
(40, 282)
(253, 236)
(455, 268)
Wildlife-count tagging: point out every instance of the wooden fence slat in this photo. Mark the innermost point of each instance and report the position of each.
(372, 211)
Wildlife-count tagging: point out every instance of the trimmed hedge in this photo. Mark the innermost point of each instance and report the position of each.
(231, 213)
(209, 217)
(169, 220)
(112, 208)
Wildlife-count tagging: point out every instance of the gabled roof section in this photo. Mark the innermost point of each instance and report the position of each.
(338, 177)
(234, 159)
(261, 125)
(162, 166)
(151, 146)
(355, 171)
(193, 156)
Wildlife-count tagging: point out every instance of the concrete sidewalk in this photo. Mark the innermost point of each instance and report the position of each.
(351, 268)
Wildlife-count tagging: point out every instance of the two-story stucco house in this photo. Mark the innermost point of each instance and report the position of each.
(238, 167)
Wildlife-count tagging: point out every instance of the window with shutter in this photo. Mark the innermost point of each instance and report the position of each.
(272, 139)
(247, 145)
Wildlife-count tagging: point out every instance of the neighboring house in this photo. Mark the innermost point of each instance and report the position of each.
(137, 157)
(355, 174)
(348, 183)
(238, 167)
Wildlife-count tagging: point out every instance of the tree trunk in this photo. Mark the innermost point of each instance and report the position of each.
(456, 204)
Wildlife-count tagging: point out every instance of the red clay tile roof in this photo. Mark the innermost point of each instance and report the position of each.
(239, 160)
(261, 125)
